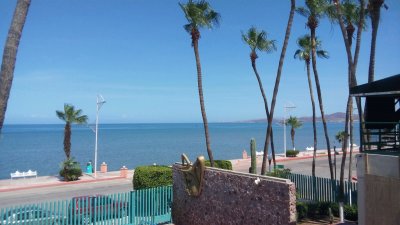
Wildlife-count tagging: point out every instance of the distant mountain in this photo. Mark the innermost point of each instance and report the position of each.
(334, 117)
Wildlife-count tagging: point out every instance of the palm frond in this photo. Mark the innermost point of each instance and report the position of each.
(303, 11)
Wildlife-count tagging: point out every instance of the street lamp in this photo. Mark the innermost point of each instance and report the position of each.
(285, 109)
(100, 102)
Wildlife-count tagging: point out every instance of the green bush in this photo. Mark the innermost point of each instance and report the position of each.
(321, 209)
(281, 173)
(291, 153)
(350, 212)
(152, 176)
(70, 170)
(302, 210)
(222, 164)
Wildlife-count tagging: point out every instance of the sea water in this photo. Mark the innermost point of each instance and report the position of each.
(40, 147)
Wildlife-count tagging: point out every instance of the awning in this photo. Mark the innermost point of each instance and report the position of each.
(385, 87)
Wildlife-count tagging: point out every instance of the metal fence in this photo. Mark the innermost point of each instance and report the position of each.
(147, 206)
(322, 189)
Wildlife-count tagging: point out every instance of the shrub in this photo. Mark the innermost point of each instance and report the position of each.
(291, 153)
(70, 170)
(281, 173)
(222, 164)
(302, 210)
(152, 176)
(350, 212)
(318, 209)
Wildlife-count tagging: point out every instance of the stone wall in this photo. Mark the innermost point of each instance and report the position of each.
(234, 198)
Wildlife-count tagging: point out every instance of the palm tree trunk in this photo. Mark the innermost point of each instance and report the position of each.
(10, 55)
(203, 109)
(344, 149)
(321, 106)
(253, 64)
(313, 116)
(351, 141)
(292, 132)
(375, 17)
(67, 140)
(276, 87)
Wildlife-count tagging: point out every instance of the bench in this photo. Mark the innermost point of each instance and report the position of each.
(18, 174)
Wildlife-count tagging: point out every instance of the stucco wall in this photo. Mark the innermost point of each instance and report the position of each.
(234, 198)
(378, 189)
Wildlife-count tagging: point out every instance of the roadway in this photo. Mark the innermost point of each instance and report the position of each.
(63, 192)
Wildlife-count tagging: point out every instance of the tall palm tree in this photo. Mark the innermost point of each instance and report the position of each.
(257, 40)
(374, 10)
(70, 116)
(352, 65)
(314, 11)
(294, 123)
(276, 88)
(10, 55)
(199, 15)
(304, 53)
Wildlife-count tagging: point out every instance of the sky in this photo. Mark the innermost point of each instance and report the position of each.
(136, 54)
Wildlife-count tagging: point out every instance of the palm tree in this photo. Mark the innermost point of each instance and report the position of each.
(199, 15)
(340, 136)
(257, 40)
(374, 10)
(276, 88)
(70, 116)
(304, 53)
(294, 124)
(315, 10)
(10, 55)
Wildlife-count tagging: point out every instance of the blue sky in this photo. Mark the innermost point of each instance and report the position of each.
(138, 56)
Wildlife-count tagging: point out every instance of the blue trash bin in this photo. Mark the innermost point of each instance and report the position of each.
(89, 168)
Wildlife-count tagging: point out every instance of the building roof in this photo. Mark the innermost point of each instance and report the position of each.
(389, 86)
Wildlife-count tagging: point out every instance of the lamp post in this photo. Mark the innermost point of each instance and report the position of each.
(285, 108)
(100, 102)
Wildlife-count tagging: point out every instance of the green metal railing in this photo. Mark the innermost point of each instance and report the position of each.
(322, 189)
(147, 206)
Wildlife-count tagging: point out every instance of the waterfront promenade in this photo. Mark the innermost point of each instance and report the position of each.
(49, 188)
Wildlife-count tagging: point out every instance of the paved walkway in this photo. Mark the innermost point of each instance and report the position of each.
(16, 184)
(53, 181)
(301, 164)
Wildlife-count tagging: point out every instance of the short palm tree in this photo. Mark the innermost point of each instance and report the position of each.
(294, 123)
(340, 136)
(199, 15)
(304, 53)
(10, 55)
(257, 40)
(314, 11)
(70, 116)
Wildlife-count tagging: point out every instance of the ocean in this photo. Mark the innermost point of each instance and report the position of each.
(40, 147)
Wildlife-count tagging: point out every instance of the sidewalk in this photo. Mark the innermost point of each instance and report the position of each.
(52, 181)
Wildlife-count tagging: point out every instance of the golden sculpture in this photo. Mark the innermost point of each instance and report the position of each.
(193, 174)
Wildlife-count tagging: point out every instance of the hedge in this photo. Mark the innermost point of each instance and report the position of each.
(318, 209)
(152, 176)
(291, 153)
(222, 164)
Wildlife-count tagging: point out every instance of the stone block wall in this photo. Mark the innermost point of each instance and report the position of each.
(234, 198)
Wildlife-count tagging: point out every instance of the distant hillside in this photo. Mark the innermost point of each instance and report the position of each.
(334, 117)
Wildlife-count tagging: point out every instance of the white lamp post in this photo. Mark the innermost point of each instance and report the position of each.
(285, 109)
(100, 102)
